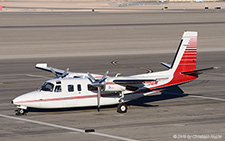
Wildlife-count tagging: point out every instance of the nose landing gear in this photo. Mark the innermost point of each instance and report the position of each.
(20, 112)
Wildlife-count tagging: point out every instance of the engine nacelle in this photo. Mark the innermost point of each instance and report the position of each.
(114, 88)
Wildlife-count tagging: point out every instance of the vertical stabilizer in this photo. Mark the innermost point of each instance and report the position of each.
(185, 58)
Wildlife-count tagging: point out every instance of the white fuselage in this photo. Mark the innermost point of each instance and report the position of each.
(83, 96)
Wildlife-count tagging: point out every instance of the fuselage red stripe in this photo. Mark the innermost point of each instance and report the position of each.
(57, 99)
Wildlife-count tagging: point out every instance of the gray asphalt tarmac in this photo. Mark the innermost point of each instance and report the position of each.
(29, 35)
(198, 113)
(157, 117)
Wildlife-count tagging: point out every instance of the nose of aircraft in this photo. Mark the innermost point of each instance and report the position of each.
(23, 98)
(17, 99)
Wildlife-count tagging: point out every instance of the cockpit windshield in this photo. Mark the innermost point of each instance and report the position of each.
(47, 86)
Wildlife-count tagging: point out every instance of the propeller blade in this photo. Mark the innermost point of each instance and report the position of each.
(98, 83)
(104, 77)
(65, 72)
(98, 98)
(53, 71)
(92, 78)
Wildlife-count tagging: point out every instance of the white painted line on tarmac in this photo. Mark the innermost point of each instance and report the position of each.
(111, 136)
(67, 128)
(213, 98)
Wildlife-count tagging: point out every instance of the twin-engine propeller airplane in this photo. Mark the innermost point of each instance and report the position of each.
(69, 89)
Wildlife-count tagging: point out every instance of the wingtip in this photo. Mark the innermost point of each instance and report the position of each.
(41, 65)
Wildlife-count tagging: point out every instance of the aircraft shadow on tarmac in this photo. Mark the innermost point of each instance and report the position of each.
(171, 93)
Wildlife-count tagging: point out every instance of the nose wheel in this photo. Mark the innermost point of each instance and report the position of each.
(20, 112)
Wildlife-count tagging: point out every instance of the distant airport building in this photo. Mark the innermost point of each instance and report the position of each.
(191, 0)
(179, 1)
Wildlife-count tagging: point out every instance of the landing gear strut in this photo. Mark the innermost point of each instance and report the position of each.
(122, 107)
(20, 112)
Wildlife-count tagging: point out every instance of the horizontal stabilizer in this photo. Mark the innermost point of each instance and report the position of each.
(197, 72)
(166, 65)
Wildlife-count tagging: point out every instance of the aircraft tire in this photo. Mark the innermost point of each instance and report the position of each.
(122, 108)
(20, 112)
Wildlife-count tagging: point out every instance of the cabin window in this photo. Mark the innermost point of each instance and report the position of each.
(79, 87)
(70, 88)
(91, 88)
(58, 88)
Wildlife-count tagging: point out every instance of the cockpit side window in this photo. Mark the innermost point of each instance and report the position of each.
(47, 86)
(58, 88)
(70, 88)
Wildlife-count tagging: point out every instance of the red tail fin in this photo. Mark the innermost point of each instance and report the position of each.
(185, 59)
(188, 61)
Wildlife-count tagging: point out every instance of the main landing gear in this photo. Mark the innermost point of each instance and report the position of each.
(122, 107)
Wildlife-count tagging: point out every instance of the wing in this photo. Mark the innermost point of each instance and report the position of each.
(44, 66)
(63, 73)
(131, 83)
(126, 81)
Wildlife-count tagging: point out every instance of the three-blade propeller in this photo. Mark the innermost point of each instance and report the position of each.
(99, 84)
(65, 73)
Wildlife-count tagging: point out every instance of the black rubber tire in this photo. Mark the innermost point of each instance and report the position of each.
(20, 112)
(122, 108)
